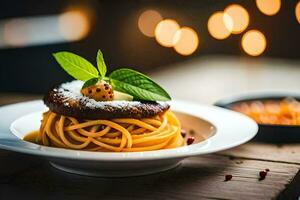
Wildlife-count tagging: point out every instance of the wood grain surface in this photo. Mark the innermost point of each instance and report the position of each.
(196, 178)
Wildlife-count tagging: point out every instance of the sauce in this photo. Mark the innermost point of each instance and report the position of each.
(278, 112)
(31, 137)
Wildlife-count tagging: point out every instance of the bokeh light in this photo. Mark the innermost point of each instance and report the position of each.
(297, 12)
(148, 21)
(228, 22)
(239, 16)
(268, 7)
(254, 42)
(185, 41)
(74, 24)
(15, 32)
(216, 25)
(165, 31)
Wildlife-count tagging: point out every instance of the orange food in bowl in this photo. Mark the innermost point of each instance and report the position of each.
(278, 112)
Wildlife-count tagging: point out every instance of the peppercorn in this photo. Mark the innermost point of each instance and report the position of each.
(228, 177)
(192, 132)
(190, 140)
(262, 175)
(183, 132)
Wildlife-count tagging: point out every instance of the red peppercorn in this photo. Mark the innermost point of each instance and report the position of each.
(228, 177)
(190, 140)
(262, 175)
(183, 132)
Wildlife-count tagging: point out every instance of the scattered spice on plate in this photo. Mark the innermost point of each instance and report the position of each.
(267, 169)
(190, 140)
(183, 132)
(192, 132)
(228, 177)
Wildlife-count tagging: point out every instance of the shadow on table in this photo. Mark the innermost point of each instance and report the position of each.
(44, 181)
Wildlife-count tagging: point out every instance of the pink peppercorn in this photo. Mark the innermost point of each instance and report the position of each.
(228, 177)
(183, 132)
(262, 175)
(190, 140)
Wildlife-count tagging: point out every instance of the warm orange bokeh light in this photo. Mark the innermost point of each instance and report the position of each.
(254, 42)
(239, 16)
(148, 21)
(186, 41)
(297, 12)
(165, 31)
(268, 7)
(74, 24)
(216, 25)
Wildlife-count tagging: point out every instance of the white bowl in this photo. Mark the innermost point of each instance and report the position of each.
(222, 129)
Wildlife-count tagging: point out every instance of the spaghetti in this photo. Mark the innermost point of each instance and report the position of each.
(116, 135)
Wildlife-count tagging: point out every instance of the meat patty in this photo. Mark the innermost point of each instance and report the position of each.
(66, 99)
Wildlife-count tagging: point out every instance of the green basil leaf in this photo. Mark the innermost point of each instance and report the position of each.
(90, 82)
(76, 66)
(101, 64)
(140, 86)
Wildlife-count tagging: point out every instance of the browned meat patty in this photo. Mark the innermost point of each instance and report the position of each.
(66, 99)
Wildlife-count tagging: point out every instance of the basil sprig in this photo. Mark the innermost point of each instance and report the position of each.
(129, 81)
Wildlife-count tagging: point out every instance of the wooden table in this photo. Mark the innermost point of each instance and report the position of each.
(28, 177)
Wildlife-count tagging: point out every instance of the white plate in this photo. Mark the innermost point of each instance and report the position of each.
(230, 129)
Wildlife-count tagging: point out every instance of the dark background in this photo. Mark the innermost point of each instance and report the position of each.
(114, 30)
